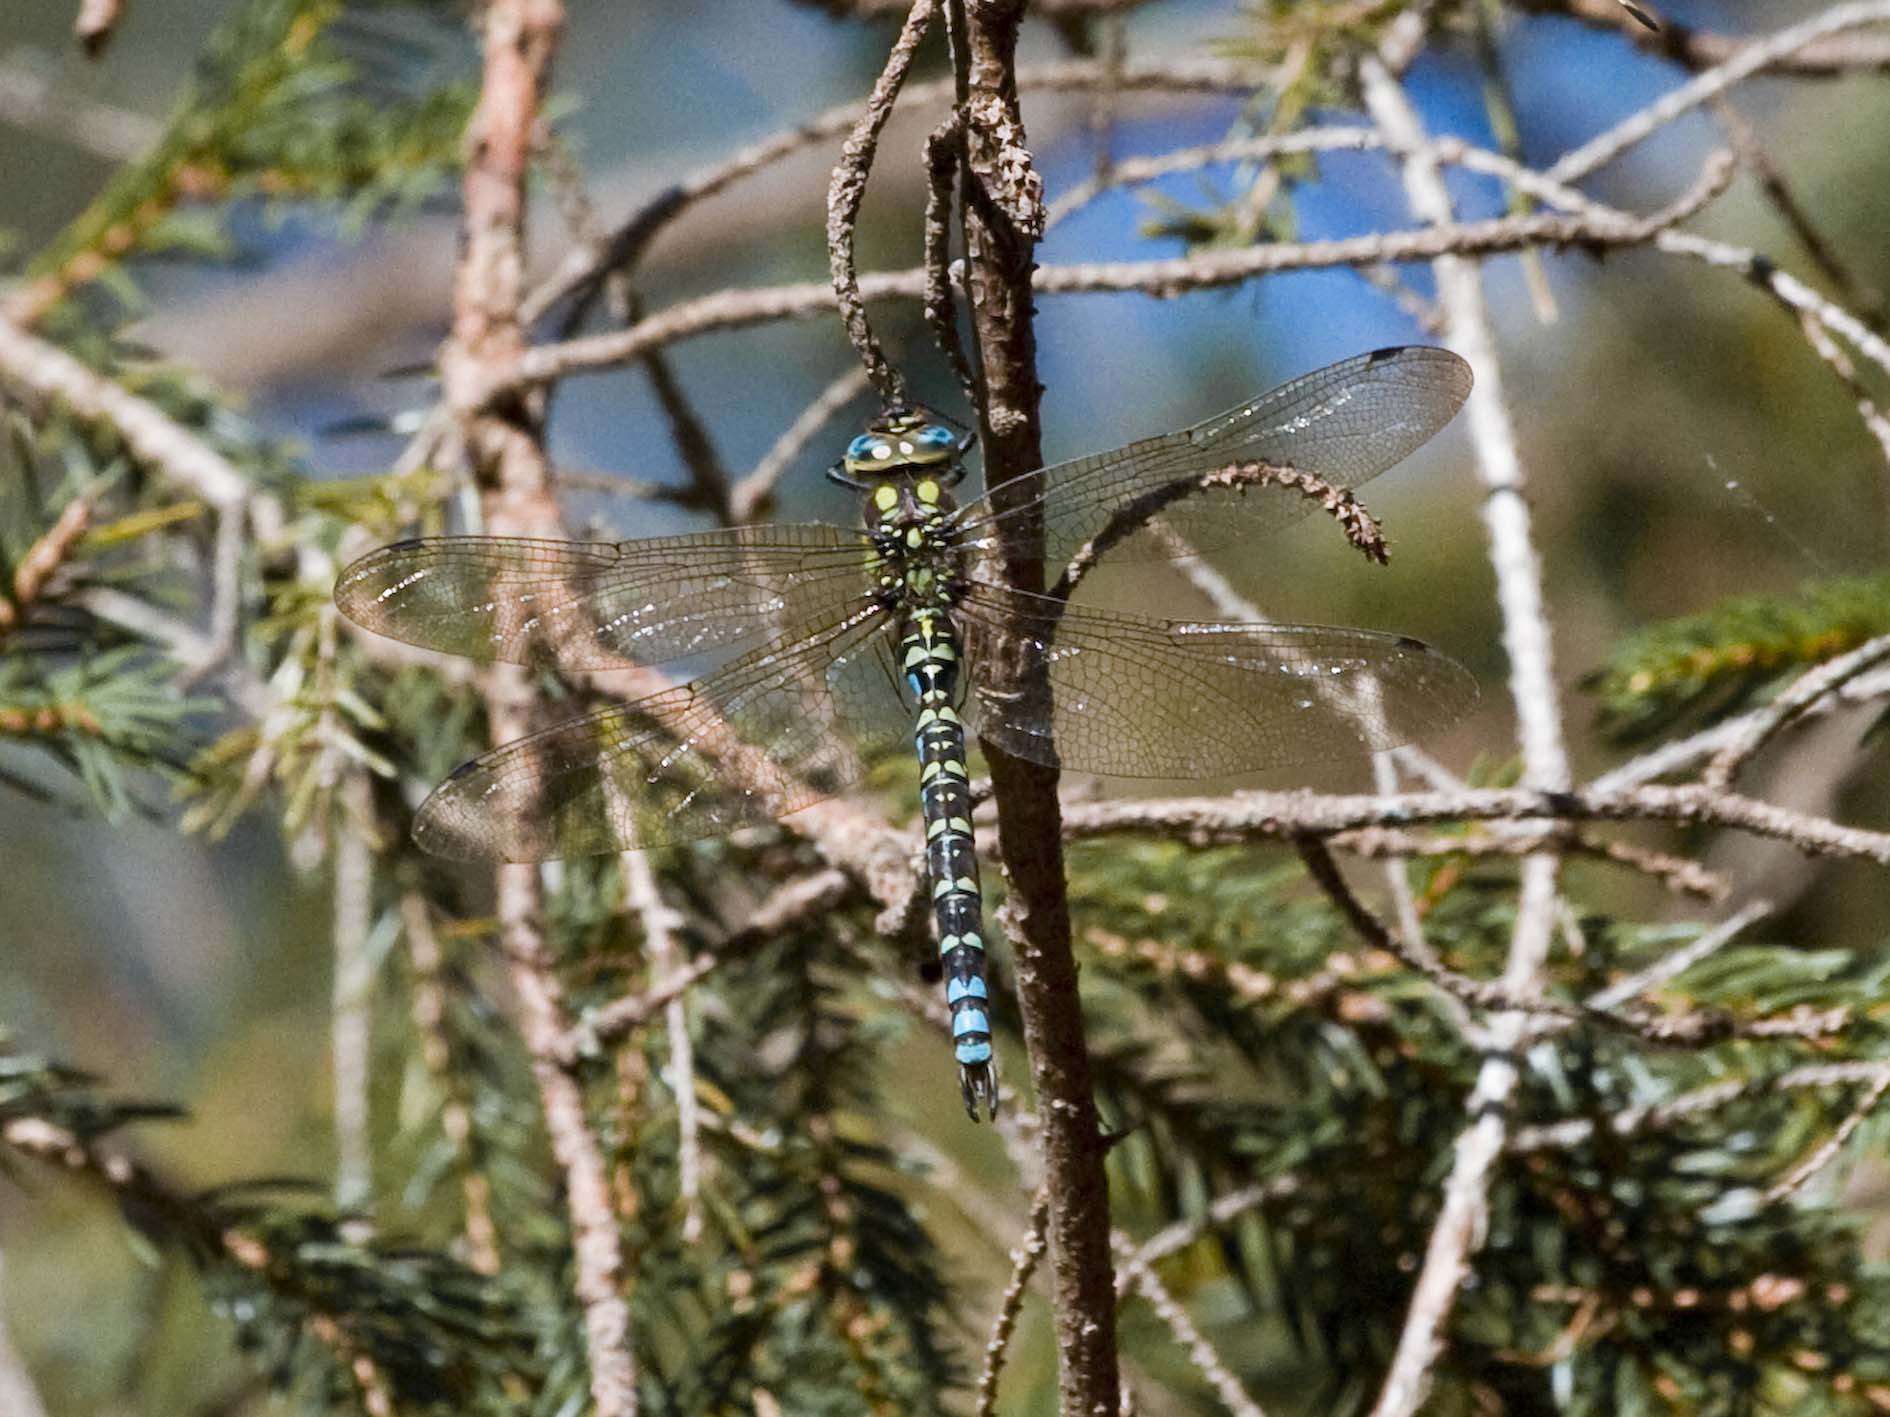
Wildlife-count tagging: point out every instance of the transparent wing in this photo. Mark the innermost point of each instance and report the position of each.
(1200, 699)
(1347, 423)
(603, 605)
(745, 745)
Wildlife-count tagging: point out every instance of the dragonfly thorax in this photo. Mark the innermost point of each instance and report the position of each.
(909, 520)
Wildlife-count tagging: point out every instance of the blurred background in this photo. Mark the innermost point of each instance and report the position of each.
(1681, 445)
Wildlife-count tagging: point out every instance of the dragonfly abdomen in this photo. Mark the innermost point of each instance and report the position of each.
(929, 661)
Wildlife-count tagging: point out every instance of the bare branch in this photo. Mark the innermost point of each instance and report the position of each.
(1206, 270)
(848, 187)
(1024, 1261)
(791, 906)
(584, 266)
(1002, 218)
(1701, 49)
(505, 444)
(1137, 1275)
(1262, 816)
(751, 495)
(1749, 60)
(1459, 1228)
(171, 451)
(352, 1000)
(660, 923)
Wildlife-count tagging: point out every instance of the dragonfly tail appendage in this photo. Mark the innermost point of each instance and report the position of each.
(979, 1083)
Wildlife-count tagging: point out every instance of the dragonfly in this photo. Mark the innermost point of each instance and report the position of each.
(838, 645)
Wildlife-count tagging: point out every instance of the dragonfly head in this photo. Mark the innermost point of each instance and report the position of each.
(903, 442)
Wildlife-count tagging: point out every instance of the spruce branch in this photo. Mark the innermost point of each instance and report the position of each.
(395, 1327)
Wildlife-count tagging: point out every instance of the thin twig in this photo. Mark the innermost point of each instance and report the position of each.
(1750, 59)
(140, 1190)
(439, 1055)
(152, 436)
(848, 187)
(1137, 1275)
(1772, 183)
(584, 265)
(660, 922)
(751, 496)
(944, 157)
(1678, 962)
(1205, 270)
(1025, 1257)
(1272, 816)
(352, 1000)
(789, 907)
(1463, 1215)
(95, 23)
(1661, 1116)
(505, 447)
(1804, 692)
(1702, 49)
(34, 97)
(1822, 1155)
(1339, 503)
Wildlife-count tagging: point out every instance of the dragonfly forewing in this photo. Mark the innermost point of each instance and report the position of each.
(1344, 424)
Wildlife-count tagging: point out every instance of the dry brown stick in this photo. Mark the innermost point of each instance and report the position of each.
(848, 187)
(751, 495)
(944, 160)
(1207, 270)
(999, 227)
(585, 264)
(45, 556)
(505, 442)
(790, 906)
(1705, 49)
(1260, 816)
(1340, 503)
(1024, 1260)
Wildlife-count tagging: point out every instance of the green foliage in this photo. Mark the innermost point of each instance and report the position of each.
(1627, 1271)
(284, 108)
(1700, 668)
(317, 1299)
